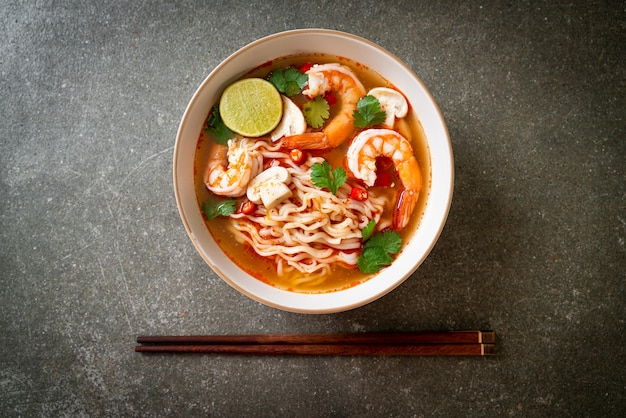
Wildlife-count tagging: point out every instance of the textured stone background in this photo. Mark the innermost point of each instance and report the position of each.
(93, 251)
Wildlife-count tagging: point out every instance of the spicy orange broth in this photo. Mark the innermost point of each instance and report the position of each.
(341, 277)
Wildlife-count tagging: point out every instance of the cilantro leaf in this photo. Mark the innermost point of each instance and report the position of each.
(378, 251)
(316, 112)
(368, 112)
(368, 231)
(289, 81)
(322, 176)
(373, 259)
(216, 126)
(215, 206)
(389, 240)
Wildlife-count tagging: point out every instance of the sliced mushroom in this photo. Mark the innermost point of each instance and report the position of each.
(392, 102)
(292, 122)
(270, 187)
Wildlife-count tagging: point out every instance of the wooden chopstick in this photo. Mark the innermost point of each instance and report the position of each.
(330, 349)
(448, 343)
(424, 337)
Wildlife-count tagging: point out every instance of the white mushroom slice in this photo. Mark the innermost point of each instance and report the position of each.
(270, 187)
(392, 102)
(292, 122)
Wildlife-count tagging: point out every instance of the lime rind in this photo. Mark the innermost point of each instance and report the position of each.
(251, 107)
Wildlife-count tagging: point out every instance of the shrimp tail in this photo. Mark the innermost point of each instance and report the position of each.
(405, 204)
(217, 154)
(308, 140)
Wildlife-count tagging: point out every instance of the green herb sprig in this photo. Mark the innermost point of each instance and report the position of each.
(216, 126)
(322, 176)
(316, 112)
(378, 249)
(368, 231)
(368, 112)
(215, 206)
(289, 81)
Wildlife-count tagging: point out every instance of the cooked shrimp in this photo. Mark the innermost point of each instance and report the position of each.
(361, 161)
(347, 89)
(230, 168)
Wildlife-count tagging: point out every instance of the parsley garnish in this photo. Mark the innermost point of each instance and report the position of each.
(215, 206)
(322, 176)
(316, 112)
(368, 112)
(289, 81)
(220, 132)
(368, 231)
(378, 251)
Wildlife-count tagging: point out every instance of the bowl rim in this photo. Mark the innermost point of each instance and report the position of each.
(332, 301)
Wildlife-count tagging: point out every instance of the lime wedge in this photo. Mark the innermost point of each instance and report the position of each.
(251, 107)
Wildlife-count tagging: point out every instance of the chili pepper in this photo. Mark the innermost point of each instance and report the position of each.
(330, 98)
(358, 194)
(248, 207)
(383, 179)
(305, 67)
(383, 163)
(297, 156)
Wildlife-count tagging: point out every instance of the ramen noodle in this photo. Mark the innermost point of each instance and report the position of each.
(309, 238)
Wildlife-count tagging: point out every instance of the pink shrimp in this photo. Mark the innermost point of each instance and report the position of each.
(230, 168)
(347, 89)
(361, 162)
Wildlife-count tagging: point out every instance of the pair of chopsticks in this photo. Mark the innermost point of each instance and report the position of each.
(446, 343)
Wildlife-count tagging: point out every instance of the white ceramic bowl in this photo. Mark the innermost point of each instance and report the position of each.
(360, 51)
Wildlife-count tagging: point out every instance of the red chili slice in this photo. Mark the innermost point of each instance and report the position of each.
(358, 194)
(383, 163)
(297, 156)
(305, 67)
(330, 98)
(383, 179)
(248, 207)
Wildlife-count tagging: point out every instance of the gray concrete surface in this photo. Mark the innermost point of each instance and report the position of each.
(93, 251)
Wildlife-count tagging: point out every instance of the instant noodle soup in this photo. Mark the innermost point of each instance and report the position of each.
(251, 241)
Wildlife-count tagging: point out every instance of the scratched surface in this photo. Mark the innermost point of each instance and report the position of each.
(93, 253)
